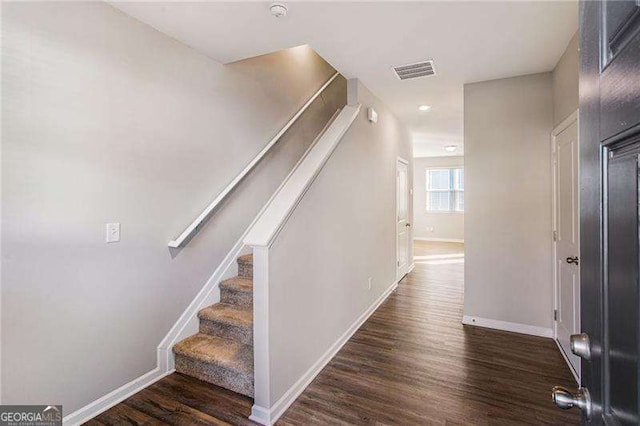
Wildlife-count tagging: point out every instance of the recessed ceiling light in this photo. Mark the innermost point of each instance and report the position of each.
(450, 148)
(424, 107)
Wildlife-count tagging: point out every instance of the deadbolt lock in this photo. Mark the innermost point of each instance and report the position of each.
(580, 345)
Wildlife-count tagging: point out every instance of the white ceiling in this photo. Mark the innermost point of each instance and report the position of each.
(469, 41)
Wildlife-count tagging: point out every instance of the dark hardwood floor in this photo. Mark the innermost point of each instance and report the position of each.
(412, 362)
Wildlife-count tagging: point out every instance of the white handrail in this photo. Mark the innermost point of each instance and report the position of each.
(207, 211)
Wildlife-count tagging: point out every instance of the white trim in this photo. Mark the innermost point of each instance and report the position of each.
(454, 190)
(441, 240)
(565, 123)
(264, 231)
(207, 211)
(261, 339)
(267, 416)
(275, 216)
(101, 405)
(411, 268)
(514, 327)
(573, 118)
(186, 325)
(554, 220)
(399, 274)
(574, 373)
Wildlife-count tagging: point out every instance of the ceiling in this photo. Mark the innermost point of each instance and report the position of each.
(468, 41)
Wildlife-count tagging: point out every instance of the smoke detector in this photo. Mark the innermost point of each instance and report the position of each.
(278, 10)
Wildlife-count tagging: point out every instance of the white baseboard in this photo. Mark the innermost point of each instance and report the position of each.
(438, 240)
(508, 326)
(411, 268)
(101, 405)
(187, 324)
(266, 416)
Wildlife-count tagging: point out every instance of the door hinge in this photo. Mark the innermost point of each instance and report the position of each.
(555, 315)
(555, 235)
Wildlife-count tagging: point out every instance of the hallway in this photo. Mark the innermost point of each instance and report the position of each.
(412, 362)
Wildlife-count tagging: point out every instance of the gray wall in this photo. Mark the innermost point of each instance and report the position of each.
(341, 233)
(507, 128)
(107, 120)
(565, 83)
(445, 225)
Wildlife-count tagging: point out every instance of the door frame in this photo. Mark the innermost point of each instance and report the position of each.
(573, 118)
(410, 264)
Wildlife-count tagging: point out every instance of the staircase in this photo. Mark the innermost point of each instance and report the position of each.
(222, 352)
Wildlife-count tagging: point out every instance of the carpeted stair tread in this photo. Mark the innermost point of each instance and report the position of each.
(228, 314)
(245, 266)
(222, 352)
(238, 291)
(238, 284)
(215, 350)
(231, 322)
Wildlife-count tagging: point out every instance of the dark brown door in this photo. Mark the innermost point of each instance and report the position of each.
(610, 263)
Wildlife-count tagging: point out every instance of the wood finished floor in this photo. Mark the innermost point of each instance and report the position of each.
(411, 363)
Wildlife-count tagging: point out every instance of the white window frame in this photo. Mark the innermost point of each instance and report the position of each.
(455, 191)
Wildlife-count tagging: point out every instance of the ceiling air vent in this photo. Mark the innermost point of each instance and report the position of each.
(419, 69)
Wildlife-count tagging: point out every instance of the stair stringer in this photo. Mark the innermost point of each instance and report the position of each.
(188, 323)
(262, 235)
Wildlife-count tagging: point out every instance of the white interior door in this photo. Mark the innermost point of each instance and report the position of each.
(567, 240)
(402, 215)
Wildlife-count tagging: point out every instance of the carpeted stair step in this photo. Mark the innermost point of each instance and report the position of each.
(223, 362)
(245, 266)
(227, 321)
(237, 291)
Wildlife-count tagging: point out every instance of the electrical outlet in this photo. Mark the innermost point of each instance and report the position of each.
(369, 284)
(113, 232)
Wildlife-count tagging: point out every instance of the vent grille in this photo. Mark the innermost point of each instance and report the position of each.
(419, 69)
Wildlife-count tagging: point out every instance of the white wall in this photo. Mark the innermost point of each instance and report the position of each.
(565, 83)
(341, 233)
(507, 127)
(446, 226)
(107, 120)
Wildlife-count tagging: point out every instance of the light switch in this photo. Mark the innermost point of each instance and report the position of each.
(113, 232)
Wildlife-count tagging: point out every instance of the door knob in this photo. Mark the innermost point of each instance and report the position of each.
(574, 260)
(566, 400)
(580, 345)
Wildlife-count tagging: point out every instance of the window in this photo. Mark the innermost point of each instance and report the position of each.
(445, 190)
